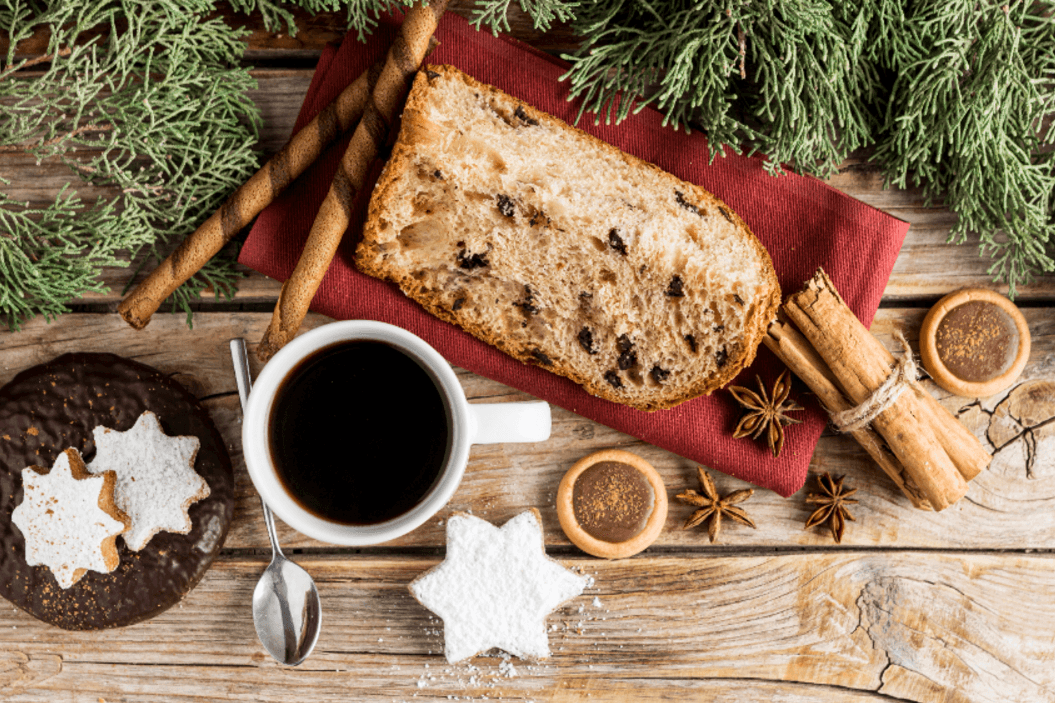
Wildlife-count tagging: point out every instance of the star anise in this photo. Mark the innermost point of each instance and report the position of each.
(833, 503)
(714, 507)
(767, 411)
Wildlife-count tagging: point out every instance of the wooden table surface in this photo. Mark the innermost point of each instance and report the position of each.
(956, 606)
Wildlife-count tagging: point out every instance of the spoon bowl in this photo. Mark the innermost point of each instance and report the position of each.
(286, 609)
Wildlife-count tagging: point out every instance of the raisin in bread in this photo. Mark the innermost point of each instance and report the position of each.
(563, 251)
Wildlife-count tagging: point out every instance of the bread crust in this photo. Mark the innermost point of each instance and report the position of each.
(756, 322)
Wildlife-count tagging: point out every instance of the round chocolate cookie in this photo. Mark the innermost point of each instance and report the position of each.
(56, 405)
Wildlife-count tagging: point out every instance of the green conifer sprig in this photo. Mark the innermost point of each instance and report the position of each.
(51, 254)
(360, 15)
(811, 87)
(965, 122)
(958, 96)
(777, 77)
(156, 112)
(543, 13)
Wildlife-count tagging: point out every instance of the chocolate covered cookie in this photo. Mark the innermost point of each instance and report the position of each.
(57, 405)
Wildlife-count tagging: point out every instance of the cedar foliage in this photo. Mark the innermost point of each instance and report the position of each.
(958, 97)
(147, 97)
(156, 109)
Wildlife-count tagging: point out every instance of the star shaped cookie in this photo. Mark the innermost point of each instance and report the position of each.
(68, 519)
(156, 480)
(496, 587)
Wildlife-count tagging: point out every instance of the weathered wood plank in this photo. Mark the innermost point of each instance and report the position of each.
(1012, 505)
(836, 626)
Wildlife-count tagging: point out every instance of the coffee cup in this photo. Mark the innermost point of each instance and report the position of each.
(282, 413)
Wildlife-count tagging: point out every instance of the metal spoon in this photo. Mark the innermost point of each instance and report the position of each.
(286, 607)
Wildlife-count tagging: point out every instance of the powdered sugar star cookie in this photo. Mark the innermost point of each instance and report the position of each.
(68, 519)
(496, 587)
(156, 480)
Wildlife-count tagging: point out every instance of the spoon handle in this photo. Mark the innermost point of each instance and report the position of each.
(240, 358)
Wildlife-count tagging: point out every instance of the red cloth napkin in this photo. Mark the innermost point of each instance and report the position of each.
(803, 222)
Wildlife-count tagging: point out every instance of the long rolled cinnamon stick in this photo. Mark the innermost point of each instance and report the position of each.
(404, 57)
(966, 452)
(861, 364)
(249, 200)
(799, 356)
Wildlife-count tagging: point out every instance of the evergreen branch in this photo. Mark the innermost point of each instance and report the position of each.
(804, 106)
(167, 123)
(543, 13)
(50, 255)
(9, 148)
(360, 15)
(964, 122)
(16, 18)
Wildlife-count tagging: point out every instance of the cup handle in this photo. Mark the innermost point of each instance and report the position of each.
(492, 423)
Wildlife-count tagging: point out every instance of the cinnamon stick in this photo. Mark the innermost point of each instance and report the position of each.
(248, 201)
(861, 364)
(799, 356)
(966, 452)
(386, 99)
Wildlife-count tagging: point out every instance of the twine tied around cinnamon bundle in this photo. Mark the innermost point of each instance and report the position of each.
(899, 380)
(919, 444)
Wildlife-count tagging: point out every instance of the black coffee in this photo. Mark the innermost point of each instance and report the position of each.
(359, 432)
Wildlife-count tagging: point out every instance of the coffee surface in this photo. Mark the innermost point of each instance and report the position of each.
(359, 433)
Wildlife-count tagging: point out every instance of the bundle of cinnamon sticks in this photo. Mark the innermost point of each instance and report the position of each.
(926, 451)
(370, 105)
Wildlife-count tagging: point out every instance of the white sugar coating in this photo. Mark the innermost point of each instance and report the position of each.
(62, 523)
(496, 587)
(156, 480)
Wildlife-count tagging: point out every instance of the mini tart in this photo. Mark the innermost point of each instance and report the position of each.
(612, 504)
(974, 343)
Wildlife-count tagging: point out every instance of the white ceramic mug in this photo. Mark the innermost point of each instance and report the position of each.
(487, 423)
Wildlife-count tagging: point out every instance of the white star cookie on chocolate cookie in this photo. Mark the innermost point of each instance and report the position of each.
(496, 587)
(156, 480)
(68, 519)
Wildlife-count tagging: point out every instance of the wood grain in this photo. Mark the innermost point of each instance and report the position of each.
(836, 626)
(1011, 505)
